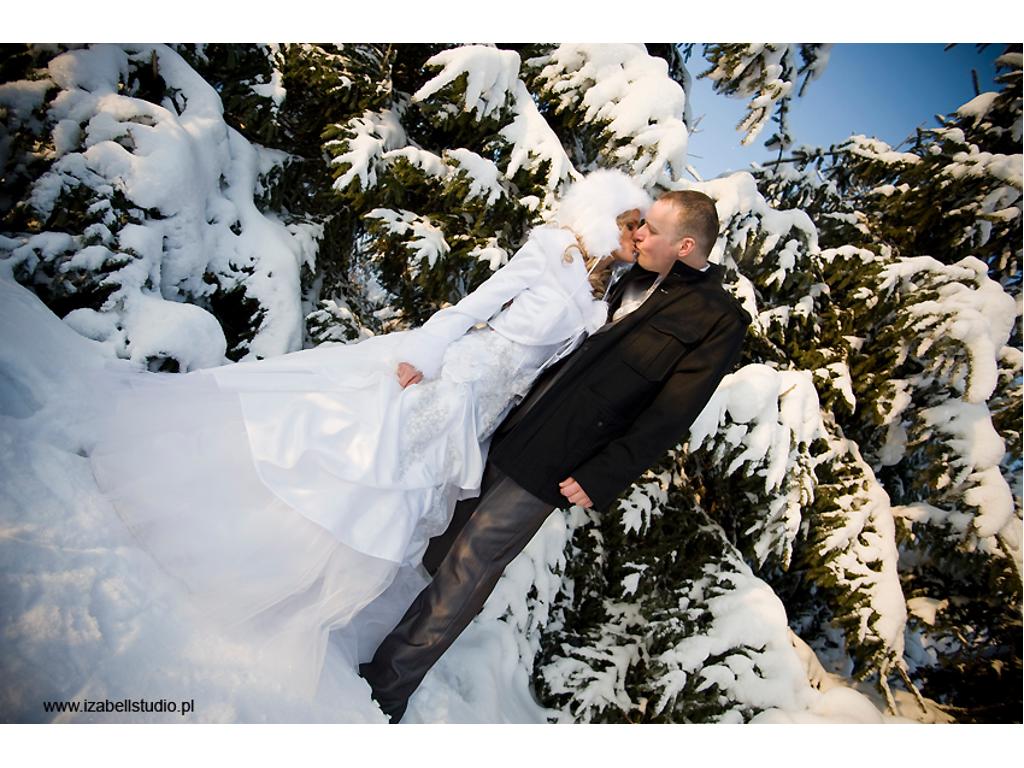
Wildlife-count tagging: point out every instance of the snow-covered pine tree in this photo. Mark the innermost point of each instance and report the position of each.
(297, 93)
(925, 266)
(442, 175)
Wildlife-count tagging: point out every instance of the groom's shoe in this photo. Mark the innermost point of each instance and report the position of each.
(394, 711)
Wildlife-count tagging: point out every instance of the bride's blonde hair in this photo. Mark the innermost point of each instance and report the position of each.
(598, 277)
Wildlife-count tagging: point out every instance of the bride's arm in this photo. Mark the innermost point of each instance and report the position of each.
(424, 347)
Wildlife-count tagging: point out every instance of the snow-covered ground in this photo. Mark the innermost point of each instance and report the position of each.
(86, 614)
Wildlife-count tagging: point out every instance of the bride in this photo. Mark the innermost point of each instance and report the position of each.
(286, 494)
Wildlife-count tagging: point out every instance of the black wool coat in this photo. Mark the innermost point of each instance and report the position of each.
(616, 405)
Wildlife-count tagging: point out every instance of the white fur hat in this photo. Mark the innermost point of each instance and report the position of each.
(590, 206)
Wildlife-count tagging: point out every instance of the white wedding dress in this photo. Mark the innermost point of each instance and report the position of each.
(286, 494)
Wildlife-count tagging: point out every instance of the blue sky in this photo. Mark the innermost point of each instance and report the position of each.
(878, 89)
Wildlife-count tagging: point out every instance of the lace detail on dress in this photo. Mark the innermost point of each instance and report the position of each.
(482, 369)
(498, 372)
(432, 407)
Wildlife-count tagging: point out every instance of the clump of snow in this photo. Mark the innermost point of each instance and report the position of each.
(840, 703)
(628, 92)
(533, 142)
(967, 428)
(159, 329)
(491, 76)
(274, 88)
(969, 307)
(978, 107)
(427, 243)
(748, 615)
(744, 213)
(973, 437)
(169, 329)
(492, 253)
(863, 549)
(481, 172)
(644, 501)
(926, 608)
(428, 162)
(595, 675)
(191, 179)
(773, 416)
(21, 99)
(922, 512)
(369, 137)
(975, 163)
(871, 148)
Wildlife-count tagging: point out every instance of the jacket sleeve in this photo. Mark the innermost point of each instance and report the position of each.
(666, 421)
(425, 346)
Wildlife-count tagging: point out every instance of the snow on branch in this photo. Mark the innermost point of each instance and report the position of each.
(491, 77)
(365, 140)
(767, 74)
(871, 148)
(762, 422)
(778, 243)
(742, 652)
(424, 239)
(956, 302)
(853, 551)
(534, 144)
(626, 94)
(481, 174)
(167, 191)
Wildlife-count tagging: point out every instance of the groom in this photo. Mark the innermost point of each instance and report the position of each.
(590, 426)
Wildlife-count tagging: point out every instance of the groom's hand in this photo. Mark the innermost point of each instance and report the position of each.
(572, 491)
(407, 375)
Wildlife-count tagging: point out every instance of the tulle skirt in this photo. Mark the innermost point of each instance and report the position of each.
(290, 496)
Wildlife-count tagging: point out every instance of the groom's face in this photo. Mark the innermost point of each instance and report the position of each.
(658, 241)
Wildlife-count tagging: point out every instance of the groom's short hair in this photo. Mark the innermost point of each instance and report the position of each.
(696, 217)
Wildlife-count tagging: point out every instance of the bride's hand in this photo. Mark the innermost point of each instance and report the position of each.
(407, 375)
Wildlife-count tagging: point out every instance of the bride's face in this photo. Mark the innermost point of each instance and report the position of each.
(628, 223)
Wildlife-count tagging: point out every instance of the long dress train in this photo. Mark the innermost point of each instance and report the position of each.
(286, 494)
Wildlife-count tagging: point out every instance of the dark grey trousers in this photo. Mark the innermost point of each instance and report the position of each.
(466, 561)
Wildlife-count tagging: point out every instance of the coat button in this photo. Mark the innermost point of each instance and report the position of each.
(600, 423)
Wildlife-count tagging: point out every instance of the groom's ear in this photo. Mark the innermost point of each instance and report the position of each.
(686, 247)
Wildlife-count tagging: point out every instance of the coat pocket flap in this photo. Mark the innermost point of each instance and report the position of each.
(688, 333)
(653, 351)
